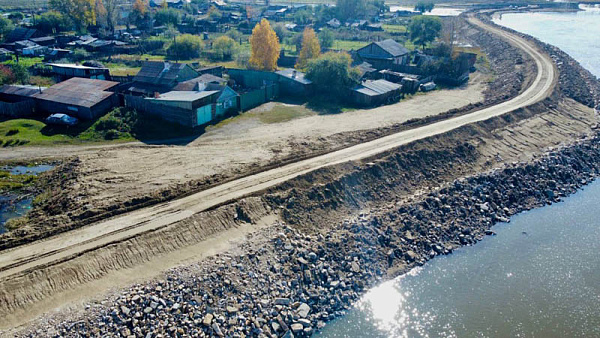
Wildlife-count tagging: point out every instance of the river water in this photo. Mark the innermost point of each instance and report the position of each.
(539, 277)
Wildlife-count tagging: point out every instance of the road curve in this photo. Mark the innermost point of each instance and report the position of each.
(70, 244)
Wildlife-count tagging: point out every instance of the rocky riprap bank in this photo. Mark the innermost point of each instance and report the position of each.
(287, 282)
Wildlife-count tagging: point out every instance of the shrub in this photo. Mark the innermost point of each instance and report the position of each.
(224, 48)
(111, 135)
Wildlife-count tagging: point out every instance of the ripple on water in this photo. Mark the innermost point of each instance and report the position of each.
(539, 277)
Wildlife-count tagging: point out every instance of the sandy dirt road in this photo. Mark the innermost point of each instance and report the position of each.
(64, 246)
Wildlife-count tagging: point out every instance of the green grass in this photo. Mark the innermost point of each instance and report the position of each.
(277, 113)
(10, 182)
(25, 61)
(395, 28)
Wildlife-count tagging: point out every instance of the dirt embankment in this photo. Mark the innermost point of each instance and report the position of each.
(76, 196)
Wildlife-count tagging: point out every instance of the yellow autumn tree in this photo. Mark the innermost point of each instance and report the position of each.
(139, 7)
(311, 49)
(265, 47)
(81, 12)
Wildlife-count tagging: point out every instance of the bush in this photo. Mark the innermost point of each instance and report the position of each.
(186, 47)
(108, 123)
(111, 135)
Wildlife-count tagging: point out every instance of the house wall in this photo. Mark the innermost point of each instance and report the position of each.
(290, 87)
(185, 117)
(17, 109)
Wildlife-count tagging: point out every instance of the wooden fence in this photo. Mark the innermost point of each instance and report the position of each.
(18, 109)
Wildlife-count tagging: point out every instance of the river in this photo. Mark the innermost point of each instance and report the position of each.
(538, 277)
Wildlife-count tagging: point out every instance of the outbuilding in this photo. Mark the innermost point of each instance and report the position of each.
(294, 83)
(373, 93)
(83, 98)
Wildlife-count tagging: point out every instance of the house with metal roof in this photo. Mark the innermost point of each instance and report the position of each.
(160, 77)
(373, 93)
(23, 33)
(384, 54)
(79, 97)
(294, 83)
(200, 82)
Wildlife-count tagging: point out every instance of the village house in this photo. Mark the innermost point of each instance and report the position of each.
(85, 99)
(23, 33)
(384, 54)
(160, 77)
(198, 106)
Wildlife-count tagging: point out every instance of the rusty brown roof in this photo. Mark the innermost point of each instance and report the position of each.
(78, 92)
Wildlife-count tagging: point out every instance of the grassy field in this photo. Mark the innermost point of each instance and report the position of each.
(394, 28)
(25, 61)
(19, 132)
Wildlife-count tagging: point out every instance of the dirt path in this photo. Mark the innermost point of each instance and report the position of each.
(74, 243)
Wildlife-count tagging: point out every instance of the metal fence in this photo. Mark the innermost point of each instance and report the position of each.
(257, 97)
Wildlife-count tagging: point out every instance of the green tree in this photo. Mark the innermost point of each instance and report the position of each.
(224, 47)
(326, 38)
(6, 27)
(16, 17)
(167, 16)
(21, 73)
(424, 29)
(281, 31)
(186, 47)
(214, 14)
(423, 7)
(81, 12)
(351, 9)
(332, 73)
(303, 16)
(52, 22)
